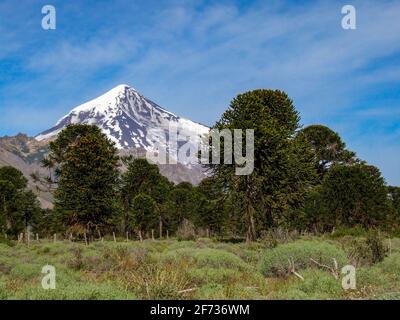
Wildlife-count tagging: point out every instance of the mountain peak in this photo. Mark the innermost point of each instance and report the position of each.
(128, 119)
(105, 100)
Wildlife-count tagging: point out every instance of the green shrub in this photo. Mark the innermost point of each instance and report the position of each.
(206, 257)
(75, 291)
(275, 262)
(26, 271)
(357, 231)
(317, 284)
(7, 241)
(366, 251)
(391, 266)
(76, 261)
(212, 275)
(3, 289)
(158, 281)
(376, 246)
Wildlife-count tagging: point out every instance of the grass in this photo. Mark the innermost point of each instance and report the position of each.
(200, 269)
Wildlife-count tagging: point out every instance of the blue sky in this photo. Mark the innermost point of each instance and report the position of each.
(192, 57)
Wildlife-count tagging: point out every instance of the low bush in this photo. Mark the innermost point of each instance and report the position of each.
(277, 261)
(317, 284)
(3, 289)
(357, 231)
(75, 291)
(27, 271)
(206, 257)
(366, 251)
(186, 231)
(163, 281)
(7, 241)
(76, 261)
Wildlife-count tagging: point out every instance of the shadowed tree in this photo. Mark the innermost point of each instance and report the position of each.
(354, 195)
(142, 177)
(327, 146)
(19, 208)
(144, 215)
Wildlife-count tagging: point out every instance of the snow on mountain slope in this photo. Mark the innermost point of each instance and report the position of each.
(130, 120)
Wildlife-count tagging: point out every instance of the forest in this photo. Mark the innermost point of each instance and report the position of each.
(304, 180)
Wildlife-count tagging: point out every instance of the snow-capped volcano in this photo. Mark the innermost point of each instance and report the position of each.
(129, 119)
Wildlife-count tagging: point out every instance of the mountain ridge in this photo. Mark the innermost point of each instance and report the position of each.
(128, 119)
(133, 122)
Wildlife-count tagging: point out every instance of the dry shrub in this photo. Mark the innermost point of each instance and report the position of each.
(367, 251)
(124, 259)
(76, 261)
(159, 281)
(271, 238)
(186, 231)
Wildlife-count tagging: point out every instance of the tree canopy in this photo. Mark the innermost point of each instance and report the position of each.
(87, 170)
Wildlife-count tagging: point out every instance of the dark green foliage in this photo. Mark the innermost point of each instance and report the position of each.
(19, 208)
(142, 178)
(377, 247)
(182, 204)
(283, 167)
(303, 180)
(394, 200)
(144, 215)
(14, 176)
(354, 195)
(87, 169)
(327, 146)
(351, 197)
(212, 213)
(367, 250)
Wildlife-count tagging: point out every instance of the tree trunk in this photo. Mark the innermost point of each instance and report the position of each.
(252, 234)
(161, 227)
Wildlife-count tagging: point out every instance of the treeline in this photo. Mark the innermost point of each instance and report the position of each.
(303, 179)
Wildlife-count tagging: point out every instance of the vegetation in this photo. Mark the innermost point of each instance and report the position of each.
(282, 165)
(87, 174)
(309, 207)
(199, 269)
(19, 208)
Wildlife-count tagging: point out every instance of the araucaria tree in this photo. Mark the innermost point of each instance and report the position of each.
(327, 146)
(19, 208)
(87, 174)
(143, 215)
(283, 166)
(354, 195)
(142, 178)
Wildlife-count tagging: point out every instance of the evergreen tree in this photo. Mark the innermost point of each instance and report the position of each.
(354, 195)
(144, 215)
(19, 208)
(142, 177)
(182, 203)
(87, 173)
(327, 146)
(211, 206)
(283, 166)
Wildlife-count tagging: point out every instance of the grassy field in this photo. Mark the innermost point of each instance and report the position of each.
(201, 269)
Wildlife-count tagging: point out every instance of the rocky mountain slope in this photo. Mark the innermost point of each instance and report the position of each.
(136, 125)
